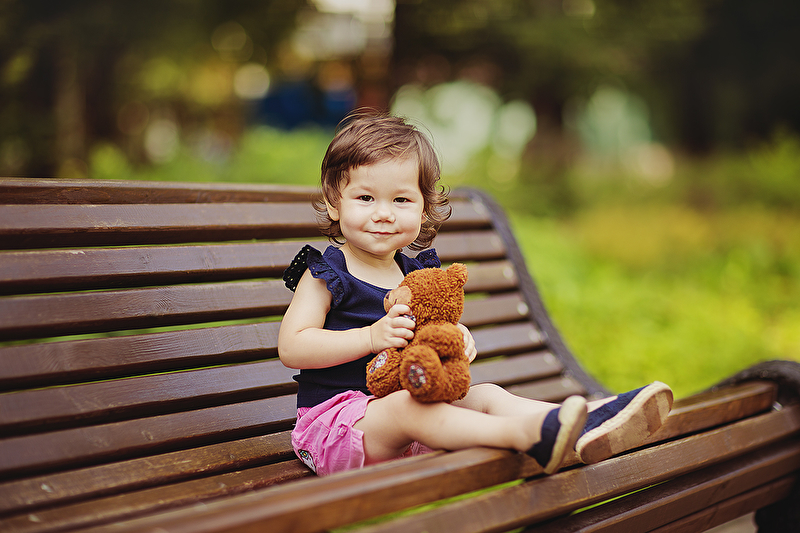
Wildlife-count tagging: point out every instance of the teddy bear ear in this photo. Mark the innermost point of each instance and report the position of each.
(458, 272)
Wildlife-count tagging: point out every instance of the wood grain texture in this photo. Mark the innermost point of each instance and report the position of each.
(77, 361)
(85, 484)
(40, 452)
(140, 397)
(559, 494)
(358, 495)
(93, 312)
(684, 500)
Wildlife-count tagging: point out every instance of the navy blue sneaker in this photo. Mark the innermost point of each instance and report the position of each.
(560, 431)
(624, 422)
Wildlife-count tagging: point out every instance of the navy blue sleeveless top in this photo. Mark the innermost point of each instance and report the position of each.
(354, 304)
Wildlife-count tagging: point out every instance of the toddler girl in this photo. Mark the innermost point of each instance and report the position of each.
(379, 183)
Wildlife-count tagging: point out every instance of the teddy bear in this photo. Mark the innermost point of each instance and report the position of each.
(433, 366)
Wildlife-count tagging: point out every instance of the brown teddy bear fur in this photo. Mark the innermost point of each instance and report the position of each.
(433, 366)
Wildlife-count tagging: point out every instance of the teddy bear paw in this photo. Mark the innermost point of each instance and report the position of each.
(417, 377)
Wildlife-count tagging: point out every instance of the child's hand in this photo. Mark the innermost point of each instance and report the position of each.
(469, 343)
(393, 330)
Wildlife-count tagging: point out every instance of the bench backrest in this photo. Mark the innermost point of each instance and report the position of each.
(139, 325)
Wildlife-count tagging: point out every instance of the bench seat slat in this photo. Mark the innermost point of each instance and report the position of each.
(400, 484)
(75, 485)
(541, 499)
(56, 363)
(120, 507)
(735, 507)
(663, 505)
(105, 401)
(36, 453)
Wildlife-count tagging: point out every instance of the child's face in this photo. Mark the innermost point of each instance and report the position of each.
(381, 207)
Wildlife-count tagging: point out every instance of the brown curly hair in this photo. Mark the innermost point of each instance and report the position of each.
(366, 138)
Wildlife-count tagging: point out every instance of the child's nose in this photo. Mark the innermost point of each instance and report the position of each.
(383, 212)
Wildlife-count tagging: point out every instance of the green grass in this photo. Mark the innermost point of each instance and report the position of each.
(669, 294)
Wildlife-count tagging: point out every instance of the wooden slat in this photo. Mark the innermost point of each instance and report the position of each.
(56, 363)
(100, 192)
(570, 490)
(387, 487)
(92, 312)
(340, 500)
(695, 413)
(735, 507)
(39, 226)
(124, 506)
(553, 389)
(660, 507)
(522, 368)
(466, 215)
(494, 310)
(502, 340)
(75, 191)
(61, 488)
(106, 401)
(491, 277)
(464, 246)
(99, 268)
(33, 454)
(54, 226)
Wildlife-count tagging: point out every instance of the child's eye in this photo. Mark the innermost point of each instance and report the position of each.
(365, 198)
(401, 200)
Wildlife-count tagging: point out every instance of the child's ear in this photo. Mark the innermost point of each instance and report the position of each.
(333, 212)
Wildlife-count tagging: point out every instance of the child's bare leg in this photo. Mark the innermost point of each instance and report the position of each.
(495, 400)
(496, 419)
(391, 423)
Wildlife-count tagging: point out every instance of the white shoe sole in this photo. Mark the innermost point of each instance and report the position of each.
(629, 428)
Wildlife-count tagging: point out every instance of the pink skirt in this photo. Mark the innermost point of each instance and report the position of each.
(326, 441)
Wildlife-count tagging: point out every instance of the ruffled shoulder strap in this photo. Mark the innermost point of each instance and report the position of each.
(425, 259)
(311, 258)
(295, 270)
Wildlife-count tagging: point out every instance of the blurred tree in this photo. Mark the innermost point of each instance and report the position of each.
(712, 71)
(740, 80)
(66, 68)
(544, 50)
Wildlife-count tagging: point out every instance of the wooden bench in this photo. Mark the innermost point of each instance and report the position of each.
(140, 388)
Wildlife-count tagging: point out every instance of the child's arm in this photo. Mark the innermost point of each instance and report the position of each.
(303, 343)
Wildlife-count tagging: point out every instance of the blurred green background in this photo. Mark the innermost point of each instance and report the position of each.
(648, 152)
